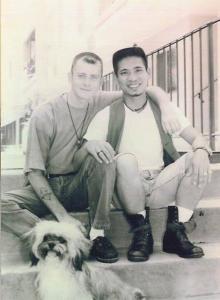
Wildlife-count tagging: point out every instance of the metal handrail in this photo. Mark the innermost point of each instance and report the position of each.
(184, 36)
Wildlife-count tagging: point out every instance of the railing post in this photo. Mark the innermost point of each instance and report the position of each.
(211, 87)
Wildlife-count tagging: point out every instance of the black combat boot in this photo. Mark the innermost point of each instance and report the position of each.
(142, 242)
(175, 239)
(103, 250)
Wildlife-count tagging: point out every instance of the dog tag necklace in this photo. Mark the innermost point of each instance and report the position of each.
(78, 136)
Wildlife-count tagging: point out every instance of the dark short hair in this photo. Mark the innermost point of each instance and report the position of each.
(127, 52)
(89, 57)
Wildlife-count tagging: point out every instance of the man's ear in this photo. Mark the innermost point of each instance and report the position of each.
(148, 73)
(101, 82)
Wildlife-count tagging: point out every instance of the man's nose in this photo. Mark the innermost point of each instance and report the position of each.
(87, 82)
(132, 77)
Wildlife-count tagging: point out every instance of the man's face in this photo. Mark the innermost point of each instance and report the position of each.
(132, 76)
(86, 79)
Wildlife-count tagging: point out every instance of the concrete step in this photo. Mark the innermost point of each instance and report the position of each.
(12, 158)
(163, 276)
(201, 297)
(213, 188)
(11, 179)
(207, 218)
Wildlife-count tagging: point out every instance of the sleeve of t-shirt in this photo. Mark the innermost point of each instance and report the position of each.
(38, 142)
(103, 98)
(98, 128)
(184, 122)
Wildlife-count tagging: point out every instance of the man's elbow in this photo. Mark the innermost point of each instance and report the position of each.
(34, 173)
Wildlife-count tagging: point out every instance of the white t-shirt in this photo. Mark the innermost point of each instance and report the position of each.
(140, 136)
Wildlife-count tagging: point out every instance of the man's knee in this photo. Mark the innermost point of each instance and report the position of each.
(93, 166)
(184, 163)
(126, 164)
(9, 202)
(6, 199)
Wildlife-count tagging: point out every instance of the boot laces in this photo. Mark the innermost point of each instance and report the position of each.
(141, 236)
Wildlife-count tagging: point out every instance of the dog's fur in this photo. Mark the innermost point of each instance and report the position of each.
(60, 250)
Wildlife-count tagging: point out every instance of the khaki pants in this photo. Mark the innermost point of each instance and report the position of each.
(174, 184)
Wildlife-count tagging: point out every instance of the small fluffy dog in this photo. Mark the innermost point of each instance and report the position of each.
(59, 250)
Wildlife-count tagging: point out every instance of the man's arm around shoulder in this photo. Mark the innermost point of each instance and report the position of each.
(169, 120)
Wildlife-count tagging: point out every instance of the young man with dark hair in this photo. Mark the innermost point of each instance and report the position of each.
(149, 170)
(57, 180)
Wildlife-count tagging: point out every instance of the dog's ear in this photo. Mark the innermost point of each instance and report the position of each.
(28, 239)
(78, 260)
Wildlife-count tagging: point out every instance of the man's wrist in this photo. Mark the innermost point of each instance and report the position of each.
(206, 149)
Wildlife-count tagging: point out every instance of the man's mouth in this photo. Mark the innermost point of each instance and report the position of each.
(85, 90)
(134, 86)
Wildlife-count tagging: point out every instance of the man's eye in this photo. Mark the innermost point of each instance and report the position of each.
(139, 70)
(94, 77)
(123, 73)
(81, 75)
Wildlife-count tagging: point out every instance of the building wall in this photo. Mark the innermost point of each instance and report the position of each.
(62, 29)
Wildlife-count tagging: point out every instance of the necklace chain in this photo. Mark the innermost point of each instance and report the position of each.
(136, 109)
(79, 137)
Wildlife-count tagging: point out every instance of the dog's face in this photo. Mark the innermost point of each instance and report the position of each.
(64, 240)
(52, 243)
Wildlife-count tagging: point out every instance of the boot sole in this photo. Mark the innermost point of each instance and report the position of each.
(195, 255)
(107, 261)
(138, 259)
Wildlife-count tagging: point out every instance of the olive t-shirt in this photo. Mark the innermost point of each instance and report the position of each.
(52, 141)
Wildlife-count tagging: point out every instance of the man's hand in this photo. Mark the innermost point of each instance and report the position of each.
(169, 120)
(71, 220)
(200, 168)
(100, 150)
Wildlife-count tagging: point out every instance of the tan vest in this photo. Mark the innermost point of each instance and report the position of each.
(116, 126)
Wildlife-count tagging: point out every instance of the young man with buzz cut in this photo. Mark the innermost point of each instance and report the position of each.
(149, 171)
(58, 181)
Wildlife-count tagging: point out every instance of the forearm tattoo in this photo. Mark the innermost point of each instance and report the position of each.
(45, 194)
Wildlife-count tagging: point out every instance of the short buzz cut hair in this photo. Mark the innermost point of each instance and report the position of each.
(127, 52)
(89, 57)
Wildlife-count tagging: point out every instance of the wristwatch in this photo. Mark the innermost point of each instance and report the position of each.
(207, 149)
